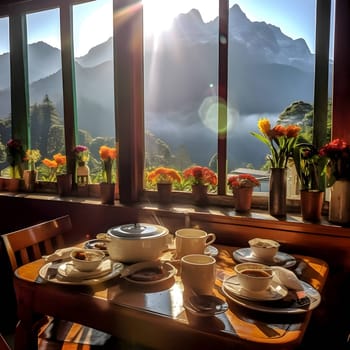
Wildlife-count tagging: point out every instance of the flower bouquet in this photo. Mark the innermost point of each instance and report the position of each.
(200, 175)
(338, 176)
(57, 166)
(200, 178)
(108, 156)
(338, 155)
(15, 157)
(164, 179)
(242, 181)
(280, 140)
(29, 176)
(81, 154)
(163, 175)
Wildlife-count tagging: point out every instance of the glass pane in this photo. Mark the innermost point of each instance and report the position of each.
(180, 63)
(5, 96)
(93, 51)
(271, 68)
(45, 87)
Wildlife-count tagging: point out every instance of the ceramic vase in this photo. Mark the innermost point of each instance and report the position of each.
(200, 194)
(107, 192)
(242, 198)
(29, 178)
(339, 204)
(164, 192)
(64, 184)
(278, 192)
(311, 203)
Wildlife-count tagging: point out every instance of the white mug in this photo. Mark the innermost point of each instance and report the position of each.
(198, 273)
(192, 241)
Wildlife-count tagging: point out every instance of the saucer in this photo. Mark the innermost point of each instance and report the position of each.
(280, 259)
(205, 305)
(275, 291)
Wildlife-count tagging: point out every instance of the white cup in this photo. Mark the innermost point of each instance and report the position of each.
(254, 277)
(192, 241)
(198, 273)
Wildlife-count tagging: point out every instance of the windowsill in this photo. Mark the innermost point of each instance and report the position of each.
(216, 213)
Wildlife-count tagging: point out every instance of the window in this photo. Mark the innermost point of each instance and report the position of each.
(131, 92)
(5, 88)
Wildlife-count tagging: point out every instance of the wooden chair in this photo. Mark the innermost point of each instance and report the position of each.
(31, 243)
(3, 343)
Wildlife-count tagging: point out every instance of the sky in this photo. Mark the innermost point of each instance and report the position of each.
(296, 18)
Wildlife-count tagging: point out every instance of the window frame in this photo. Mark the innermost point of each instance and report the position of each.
(129, 88)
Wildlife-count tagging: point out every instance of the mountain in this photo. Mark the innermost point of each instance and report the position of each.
(264, 62)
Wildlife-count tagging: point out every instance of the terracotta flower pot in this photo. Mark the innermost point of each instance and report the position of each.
(164, 192)
(242, 197)
(107, 192)
(311, 205)
(200, 194)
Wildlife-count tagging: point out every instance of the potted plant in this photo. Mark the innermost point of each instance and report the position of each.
(280, 140)
(29, 175)
(15, 157)
(242, 186)
(200, 178)
(164, 178)
(57, 172)
(310, 166)
(108, 156)
(338, 178)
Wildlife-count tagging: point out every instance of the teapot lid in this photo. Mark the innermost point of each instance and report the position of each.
(137, 230)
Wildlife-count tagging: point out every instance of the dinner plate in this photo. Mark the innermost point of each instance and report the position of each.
(275, 291)
(285, 305)
(205, 305)
(149, 278)
(115, 270)
(280, 259)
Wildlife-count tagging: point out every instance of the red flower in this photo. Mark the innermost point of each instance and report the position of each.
(200, 175)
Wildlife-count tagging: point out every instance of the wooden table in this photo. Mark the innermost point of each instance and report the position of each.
(154, 315)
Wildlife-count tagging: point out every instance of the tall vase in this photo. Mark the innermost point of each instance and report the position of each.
(200, 194)
(29, 178)
(107, 191)
(278, 192)
(64, 184)
(311, 205)
(339, 204)
(242, 198)
(164, 192)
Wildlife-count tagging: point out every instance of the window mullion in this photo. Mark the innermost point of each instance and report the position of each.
(19, 78)
(222, 91)
(68, 85)
(321, 72)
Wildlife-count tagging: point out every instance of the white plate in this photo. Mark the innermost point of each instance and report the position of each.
(279, 306)
(281, 259)
(170, 271)
(117, 267)
(275, 292)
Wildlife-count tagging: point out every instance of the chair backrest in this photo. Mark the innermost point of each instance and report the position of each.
(31, 243)
(3, 343)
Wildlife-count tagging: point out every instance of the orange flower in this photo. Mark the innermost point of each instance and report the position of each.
(242, 180)
(108, 155)
(164, 175)
(56, 165)
(200, 175)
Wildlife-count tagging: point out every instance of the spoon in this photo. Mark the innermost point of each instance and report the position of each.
(208, 304)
